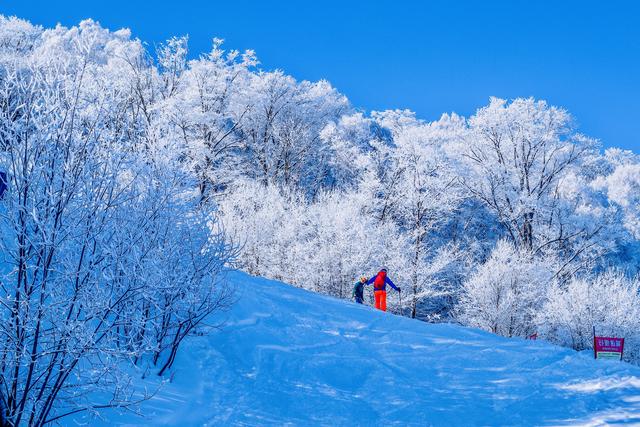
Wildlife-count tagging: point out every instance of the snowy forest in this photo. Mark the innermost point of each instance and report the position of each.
(135, 176)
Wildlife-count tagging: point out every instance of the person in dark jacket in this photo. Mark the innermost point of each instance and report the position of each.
(358, 290)
(380, 282)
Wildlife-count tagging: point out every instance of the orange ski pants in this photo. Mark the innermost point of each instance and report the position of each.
(381, 300)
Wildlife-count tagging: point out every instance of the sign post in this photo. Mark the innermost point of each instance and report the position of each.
(607, 347)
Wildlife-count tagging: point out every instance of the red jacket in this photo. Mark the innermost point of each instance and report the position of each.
(380, 282)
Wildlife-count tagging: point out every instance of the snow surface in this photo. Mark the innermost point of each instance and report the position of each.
(290, 357)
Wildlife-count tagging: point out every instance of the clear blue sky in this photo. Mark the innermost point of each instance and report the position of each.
(431, 57)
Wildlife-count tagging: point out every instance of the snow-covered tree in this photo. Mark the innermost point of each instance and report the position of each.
(428, 194)
(610, 302)
(518, 152)
(206, 111)
(623, 189)
(505, 293)
(281, 130)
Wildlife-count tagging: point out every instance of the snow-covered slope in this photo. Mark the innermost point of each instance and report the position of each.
(290, 357)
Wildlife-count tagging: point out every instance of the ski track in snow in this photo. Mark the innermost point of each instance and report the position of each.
(290, 357)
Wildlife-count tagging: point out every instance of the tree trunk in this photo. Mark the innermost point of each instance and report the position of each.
(527, 231)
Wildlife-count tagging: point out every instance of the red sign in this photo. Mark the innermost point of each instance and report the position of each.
(608, 347)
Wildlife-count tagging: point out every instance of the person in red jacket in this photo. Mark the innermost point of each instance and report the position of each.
(380, 282)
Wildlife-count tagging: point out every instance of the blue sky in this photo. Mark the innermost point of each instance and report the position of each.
(431, 57)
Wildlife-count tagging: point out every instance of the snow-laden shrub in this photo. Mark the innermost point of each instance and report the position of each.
(107, 256)
(609, 301)
(505, 293)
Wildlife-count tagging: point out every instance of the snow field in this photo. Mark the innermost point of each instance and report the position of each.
(290, 357)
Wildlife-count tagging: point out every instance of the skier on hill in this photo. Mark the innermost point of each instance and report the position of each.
(380, 282)
(358, 290)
